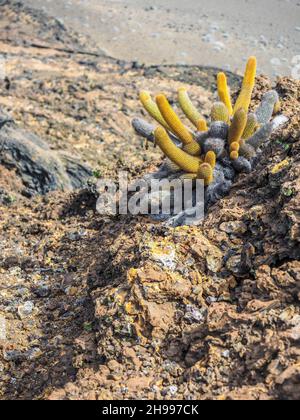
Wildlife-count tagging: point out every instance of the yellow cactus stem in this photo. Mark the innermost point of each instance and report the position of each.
(277, 107)
(238, 126)
(244, 98)
(251, 126)
(173, 120)
(224, 93)
(234, 155)
(152, 109)
(219, 112)
(205, 172)
(193, 149)
(187, 163)
(202, 125)
(187, 106)
(211, 159)
(234, 147)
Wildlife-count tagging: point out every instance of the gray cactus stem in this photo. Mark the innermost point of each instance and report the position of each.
(146, 130)
(266, 109)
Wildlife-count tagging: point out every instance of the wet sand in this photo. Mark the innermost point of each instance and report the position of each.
(214, 33)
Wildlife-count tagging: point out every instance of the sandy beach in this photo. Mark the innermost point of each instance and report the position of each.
(197, 32)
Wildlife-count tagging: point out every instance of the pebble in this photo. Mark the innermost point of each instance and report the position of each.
(173, 389)
(26, 309)
(233, 227)
(218, 46)
(21, 291)
(42, 291)
(76, 236)
(193, 314)
(15, 271)
(263, 40)
(211, 299)
(275, 61)
(150, 8)
(214, 27)
(208, 38)
(13, 355)
(34, 353)
(12, 261)
(234, 264)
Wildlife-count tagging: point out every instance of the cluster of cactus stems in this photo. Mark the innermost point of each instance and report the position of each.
(217, 149)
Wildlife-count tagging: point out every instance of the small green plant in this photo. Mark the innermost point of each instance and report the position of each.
(97, 173)
(284, 145)
(288, 192)
(88, 326)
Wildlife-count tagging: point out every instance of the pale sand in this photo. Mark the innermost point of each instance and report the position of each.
(203, 32)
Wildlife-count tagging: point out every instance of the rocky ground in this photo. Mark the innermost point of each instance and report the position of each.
(93, 307)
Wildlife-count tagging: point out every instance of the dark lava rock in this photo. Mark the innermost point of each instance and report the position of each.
(42, 291)
(40, 168)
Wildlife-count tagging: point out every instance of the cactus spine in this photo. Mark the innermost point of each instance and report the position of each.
(211, 159)
(205, 172)
(202, 125)
(277, 107)
(244, 98)
(177, 126)
(193, 149)
(219, 112)
(251, 126)
(182, 159)
(246, 150)
(187, 106)
(238, 126)
(152, 109)
(223, 92)
(234, 147)
(234, 155)
(266, 109)
(261, 135)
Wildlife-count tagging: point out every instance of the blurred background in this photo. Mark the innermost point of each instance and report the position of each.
(202, 32)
